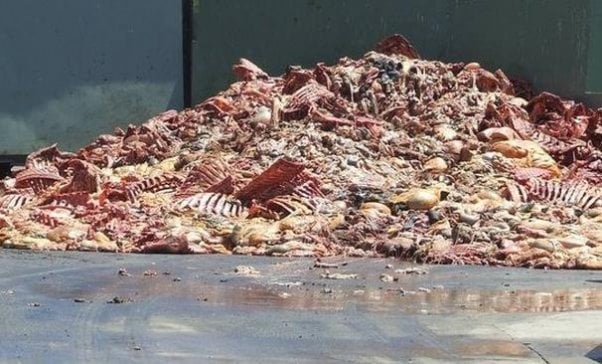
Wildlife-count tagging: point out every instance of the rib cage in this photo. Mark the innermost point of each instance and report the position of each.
(14, 201)
(553, 145)
(308, 189)
(303, 99)
(268, 183)
(212, 203)
(37, 179)
(291, 205)
(517, 193)
(163, 183)
(208, 171)
(207, 175)
(308, 94)
(574, 194)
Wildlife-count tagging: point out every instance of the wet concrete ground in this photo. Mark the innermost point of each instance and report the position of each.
(78, 307)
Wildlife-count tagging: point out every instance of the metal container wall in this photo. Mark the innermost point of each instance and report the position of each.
(84, 67)
(556, 45)
(72, 69)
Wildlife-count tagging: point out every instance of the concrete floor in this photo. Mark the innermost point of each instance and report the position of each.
(55, 308)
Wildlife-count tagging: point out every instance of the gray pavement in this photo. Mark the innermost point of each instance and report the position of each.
(77, 307)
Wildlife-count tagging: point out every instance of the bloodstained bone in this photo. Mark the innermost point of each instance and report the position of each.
(267, 184)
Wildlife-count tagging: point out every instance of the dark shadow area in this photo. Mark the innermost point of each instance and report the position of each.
(187, 39)
(9, 161)
(595, 354)
(5, 169)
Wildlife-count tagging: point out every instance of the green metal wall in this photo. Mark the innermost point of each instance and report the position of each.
(594, 75)
(73, 69)
(555, 44)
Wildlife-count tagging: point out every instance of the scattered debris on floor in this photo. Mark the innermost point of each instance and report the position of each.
(387, 278)
(329, 275)
(246, 270)
(120, 300)
(413, 270)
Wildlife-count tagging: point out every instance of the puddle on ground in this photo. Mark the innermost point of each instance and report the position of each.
(318, 297)
(493, 348)
(297, 298)
(456, 348)
(434, 302)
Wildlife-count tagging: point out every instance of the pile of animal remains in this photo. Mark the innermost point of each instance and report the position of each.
(386, 155)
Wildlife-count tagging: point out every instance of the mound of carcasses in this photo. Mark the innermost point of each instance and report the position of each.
(389, 154)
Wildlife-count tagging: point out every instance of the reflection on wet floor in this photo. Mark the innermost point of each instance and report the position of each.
(507, 301)
(303, 291)
(493, 348)
(434, 302)
(301, 297)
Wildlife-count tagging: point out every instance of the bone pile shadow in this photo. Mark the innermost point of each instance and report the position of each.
(387, 155)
